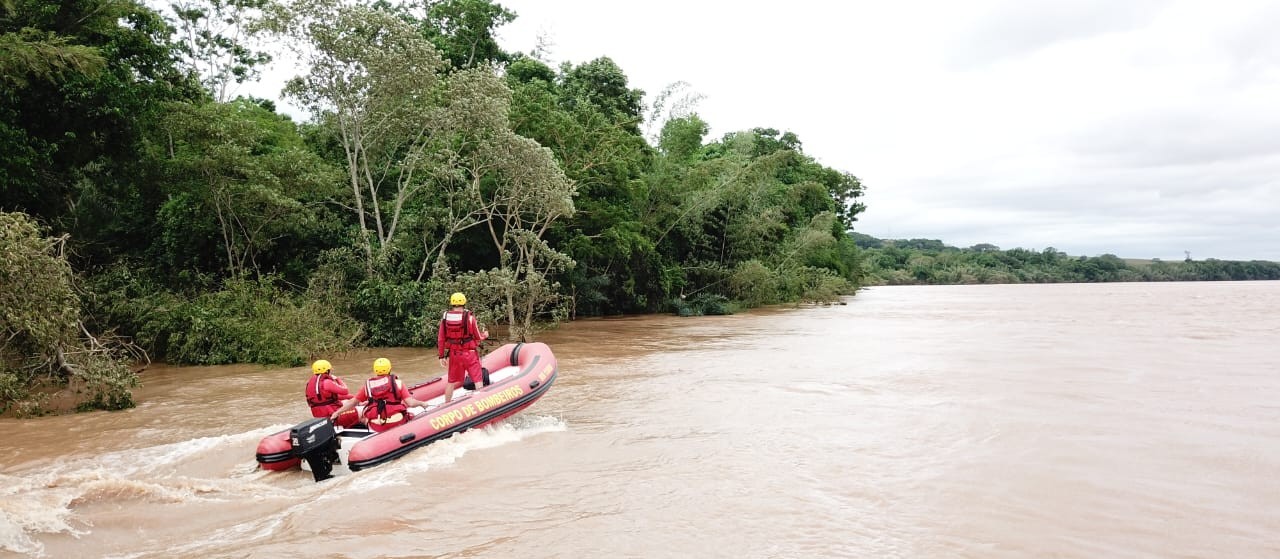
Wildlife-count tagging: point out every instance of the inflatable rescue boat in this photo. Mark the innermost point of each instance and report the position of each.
(518, 374)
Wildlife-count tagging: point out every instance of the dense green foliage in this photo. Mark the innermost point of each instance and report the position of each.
(155, 214)
(42, 339)
(928, 261)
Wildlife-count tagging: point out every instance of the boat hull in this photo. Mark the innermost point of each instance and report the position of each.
(522, 374)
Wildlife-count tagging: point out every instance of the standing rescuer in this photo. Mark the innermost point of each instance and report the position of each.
(326, 393)
(456, 344)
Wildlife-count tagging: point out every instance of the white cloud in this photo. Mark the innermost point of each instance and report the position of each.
(1137, 127)
(1017, 27)
(1141, 128)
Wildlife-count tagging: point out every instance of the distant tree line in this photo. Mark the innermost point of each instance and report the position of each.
(148, 213)
(929, 261)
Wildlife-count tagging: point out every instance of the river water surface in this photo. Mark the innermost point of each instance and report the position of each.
(1069, 421)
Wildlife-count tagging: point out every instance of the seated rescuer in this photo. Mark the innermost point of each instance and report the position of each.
(456, 344)
(388, 399)
(325, 393)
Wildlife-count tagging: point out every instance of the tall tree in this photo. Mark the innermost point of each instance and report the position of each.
(245, 169)
(216, 39)
(432, 149)
(31, 54)
(602, 152)
(510, 186)
(90, 76)
(372, 77)
(463, 30)
(749, 216)
(603, 84)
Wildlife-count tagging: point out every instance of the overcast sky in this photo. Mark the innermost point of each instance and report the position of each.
(1132, 127)
(1138, 128)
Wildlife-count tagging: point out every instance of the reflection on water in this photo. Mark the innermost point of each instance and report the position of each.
(1104, 420)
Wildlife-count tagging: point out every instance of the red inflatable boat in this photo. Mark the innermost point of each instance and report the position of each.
(519, 374)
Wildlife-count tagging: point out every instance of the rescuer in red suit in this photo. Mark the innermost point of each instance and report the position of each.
(388, 400)
(456, 344)
(326, 392)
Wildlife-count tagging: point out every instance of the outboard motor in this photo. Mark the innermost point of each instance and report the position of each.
(316, 442)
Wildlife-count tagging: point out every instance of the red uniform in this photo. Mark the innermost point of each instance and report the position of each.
(460, 336)
(385, 395)
(325, 394)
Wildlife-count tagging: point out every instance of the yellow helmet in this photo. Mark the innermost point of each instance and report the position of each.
(457, 299)
(321, 367)
(382, 366)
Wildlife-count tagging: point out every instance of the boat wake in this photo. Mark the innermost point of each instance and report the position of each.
(45, 500)
(60, 498)
(408, 470)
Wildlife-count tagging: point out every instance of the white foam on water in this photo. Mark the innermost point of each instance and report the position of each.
(257, 529)
(401, 472)
(245, 532)
(161, 458)
(22, 515)
(407, 470)
(42, 501)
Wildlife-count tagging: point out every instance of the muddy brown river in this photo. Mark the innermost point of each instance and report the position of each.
(1066, 421)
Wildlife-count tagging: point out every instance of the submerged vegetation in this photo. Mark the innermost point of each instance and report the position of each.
(148, 213)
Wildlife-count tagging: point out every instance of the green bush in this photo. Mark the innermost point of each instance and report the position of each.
(105, 383)
(44, 341)
(250, 321)
(703, 304)
(754, 284)
(815, 285)
(14, 388)
(526, 305)
(398, 313)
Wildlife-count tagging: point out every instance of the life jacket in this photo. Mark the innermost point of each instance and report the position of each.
(384, 398)
(457, 326)
(314, 395)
